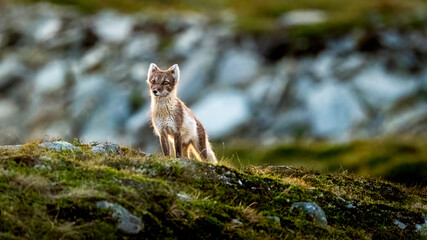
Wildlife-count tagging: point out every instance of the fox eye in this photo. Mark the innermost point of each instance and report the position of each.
(152, 81)
(166, 83)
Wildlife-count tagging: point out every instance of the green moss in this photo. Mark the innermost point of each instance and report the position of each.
(214, 201)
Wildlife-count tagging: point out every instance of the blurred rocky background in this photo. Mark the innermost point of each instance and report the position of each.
(268, 73)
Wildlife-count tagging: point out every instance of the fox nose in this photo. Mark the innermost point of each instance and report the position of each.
(155, 92)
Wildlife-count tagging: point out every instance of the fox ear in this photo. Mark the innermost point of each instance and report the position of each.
(175, 72)
(153, 68)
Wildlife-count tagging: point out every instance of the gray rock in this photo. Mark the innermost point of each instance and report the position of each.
(127, 222)
(93, 58)
(312, 211)
(334, 110)
(144, 45)
(10, 66)
(187, 41)
(11, 147)
(107, 148)
(59, 146)
(403, 121)
(400, 224)
(236, 223)
(422, 228)
(273, 219)
(108, 117)
(112, 27)
(381, 89)
(46, 29)
(303, 17)
(222, 112)
(51, 78)
(8, 109)
(195, 74)
(238, 67)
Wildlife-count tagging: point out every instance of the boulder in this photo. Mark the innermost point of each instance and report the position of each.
(112, 27)
(222, 112)
(107, 148)
(127, 222)
(238, 67)
(59, 146)
(51, 78)
(312, 211)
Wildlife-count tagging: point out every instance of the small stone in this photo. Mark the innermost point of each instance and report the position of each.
(59, 146)
(312, 210)
(11, 147)
(400, 224)
(127, 222)
(107, 148)
(184, 197)
(236, 223)
(303, 17)
(273, 219)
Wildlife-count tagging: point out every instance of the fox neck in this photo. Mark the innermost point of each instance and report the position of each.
(163, 102)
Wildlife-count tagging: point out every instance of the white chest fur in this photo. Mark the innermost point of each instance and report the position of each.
(163, 111)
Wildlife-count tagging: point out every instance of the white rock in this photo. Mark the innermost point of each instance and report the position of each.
(334, 110)
(406, 119)
(8, 109)
(381, 89)
(94, 57)
(138, 72)
(141, 46)
(238, 67)
(188, 40)
(51, 78)
(303, 17)
(138, 120)
(9, 66)
(112, 27)
(400, 224)
(194, 74)
(222, 112)
(47, 29)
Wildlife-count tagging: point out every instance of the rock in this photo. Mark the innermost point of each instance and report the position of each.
(274, 219)
(403, 121)
(11, 147)
(334, 110)
(187, 41)
(127, 222)
(93, 58)
(400, 224)
(236, 223)
(237, 67)
(9, 67)
(59, 146)
(7, 109)
(107, 148)
(222, 112)
(138, 120)
(46, 29)
(303, 17)
(381, 89)
(195, 74)
(110, 114)
(312, 211)
(112, 27)
(51, 78)
(144, 45)
(422, 228)
(345, 68)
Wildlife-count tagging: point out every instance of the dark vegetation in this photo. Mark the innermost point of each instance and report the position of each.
(399, 160)
(52, 195)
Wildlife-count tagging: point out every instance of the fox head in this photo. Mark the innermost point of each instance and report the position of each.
(162, 82)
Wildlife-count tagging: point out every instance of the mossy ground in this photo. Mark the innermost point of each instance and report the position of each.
(395, 159)
(52, 195)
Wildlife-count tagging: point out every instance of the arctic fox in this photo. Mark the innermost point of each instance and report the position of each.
(178, 129)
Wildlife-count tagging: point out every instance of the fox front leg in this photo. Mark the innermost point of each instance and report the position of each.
(178, 145)
(164, 143)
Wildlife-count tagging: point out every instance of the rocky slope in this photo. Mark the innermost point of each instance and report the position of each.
(58, 190)
(66, 74)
